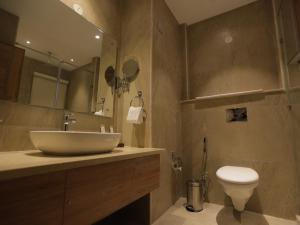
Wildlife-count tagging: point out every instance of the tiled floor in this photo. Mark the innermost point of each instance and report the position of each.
(216, 215)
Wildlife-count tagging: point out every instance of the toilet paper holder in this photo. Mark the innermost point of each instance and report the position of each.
(140, 98)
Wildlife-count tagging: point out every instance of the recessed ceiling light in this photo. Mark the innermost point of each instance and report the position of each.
(72, 60)
(97, 36)
(28, 42)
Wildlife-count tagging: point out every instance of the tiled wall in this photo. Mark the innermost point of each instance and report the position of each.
(167, 75)
(234, 52)
(19, 119)
(136, 43)
(265, 142)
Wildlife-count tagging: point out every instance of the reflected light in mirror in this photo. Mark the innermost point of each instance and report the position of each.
(72, 60)
(97, 36)
(28, 42)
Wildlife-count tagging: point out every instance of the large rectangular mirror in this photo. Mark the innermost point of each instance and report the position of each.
(50, 56)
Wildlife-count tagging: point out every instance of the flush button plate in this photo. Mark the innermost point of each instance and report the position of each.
(236, 115)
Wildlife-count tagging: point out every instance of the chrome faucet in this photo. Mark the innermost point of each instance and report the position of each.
(68, 120)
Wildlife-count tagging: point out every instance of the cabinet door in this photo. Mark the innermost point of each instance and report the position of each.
(11, 62)
(93, 193)
(36, 200)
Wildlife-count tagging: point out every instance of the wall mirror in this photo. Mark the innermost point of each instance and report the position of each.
(130, 70)
(50, 56)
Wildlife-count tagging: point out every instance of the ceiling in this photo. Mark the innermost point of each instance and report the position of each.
(193, 11)
(53, 27)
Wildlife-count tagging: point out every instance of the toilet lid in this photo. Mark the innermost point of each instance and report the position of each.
(239, 175)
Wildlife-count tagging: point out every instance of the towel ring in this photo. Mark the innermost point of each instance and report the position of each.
(139, 96)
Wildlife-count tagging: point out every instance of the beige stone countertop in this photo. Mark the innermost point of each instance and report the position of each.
(16, 164)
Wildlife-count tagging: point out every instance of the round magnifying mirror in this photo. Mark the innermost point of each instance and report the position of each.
(110, 76)
(131, 70)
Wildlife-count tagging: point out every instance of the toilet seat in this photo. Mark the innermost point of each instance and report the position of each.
(237, 175)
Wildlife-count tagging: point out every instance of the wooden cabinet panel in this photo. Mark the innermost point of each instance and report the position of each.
(79, 196)
(11, 62)
(93, 193)
(8, 27)
(36, 200)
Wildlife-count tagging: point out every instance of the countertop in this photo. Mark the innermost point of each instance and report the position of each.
(16, 164)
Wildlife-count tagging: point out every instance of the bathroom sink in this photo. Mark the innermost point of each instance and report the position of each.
(74, 143)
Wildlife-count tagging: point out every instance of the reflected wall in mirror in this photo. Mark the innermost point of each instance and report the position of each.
(52, 57)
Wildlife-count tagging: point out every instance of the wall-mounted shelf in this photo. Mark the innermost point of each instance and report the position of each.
(235, 94)
(294, 89)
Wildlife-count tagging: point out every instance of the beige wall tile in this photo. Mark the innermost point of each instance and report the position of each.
(263, 143)
(26, 115)
(136, 41)
(15, 138)
(167, 76)
(19, 120)
(249, 61)
(267, 142)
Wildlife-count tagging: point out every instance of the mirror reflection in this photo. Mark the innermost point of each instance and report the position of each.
(59, 59)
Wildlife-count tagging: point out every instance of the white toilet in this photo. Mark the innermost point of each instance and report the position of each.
(238, 183)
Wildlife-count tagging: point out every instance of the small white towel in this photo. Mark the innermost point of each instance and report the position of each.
(135, 115)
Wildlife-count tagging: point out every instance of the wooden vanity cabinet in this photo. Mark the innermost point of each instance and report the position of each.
(93, 193)
(11, 62)
(36, 200)
(81, 196)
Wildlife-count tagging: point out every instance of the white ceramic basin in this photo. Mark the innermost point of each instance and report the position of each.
(74, 143)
